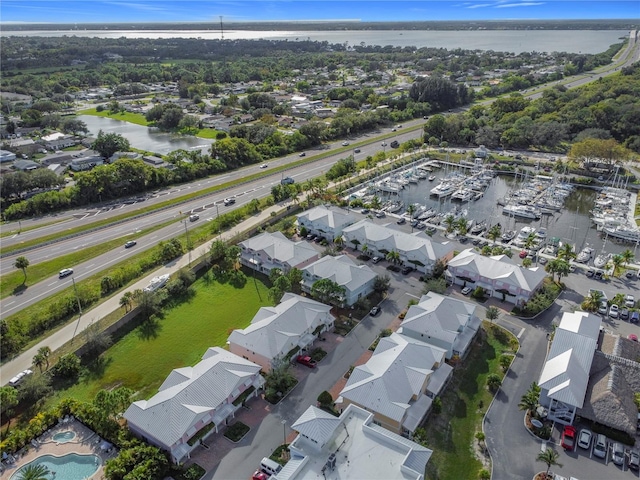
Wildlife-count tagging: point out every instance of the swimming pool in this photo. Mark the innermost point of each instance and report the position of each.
(68, 467)
(64, 437)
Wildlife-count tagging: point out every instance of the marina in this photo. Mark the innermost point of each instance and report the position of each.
(555, 213)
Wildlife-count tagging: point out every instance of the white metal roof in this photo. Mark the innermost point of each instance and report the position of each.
(277, 246)
(331, 217)
(342, 270)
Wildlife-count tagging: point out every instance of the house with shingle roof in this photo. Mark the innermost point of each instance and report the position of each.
(357, 280)
(267, 251)
(499, 275)
(444, 322)
(416, 249)
(350, 446)
(294, 323)
(394, 383)
(327, 222)
(565, 374)
(194, 402)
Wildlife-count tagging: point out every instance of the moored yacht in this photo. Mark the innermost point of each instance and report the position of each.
(585, 255)
(524, 211)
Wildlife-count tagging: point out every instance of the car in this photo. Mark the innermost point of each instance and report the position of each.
(466, 290)
(307, 361)
(617, 453)
(523, 253)
(229, 201)
(598, 275)
(398, 126)
(629, 301)
(318, 239)
(542, 260)
(287, 181)
(631, 274)
(603, 308)
(634, 460)
(265, 165)
(568, 439)
(401, 221)
(311, 236)
(130, 243)
(357, 150)
(624, 314)
(590, 273)
(376, 259)
(406, 270)
(65, 272)
(345, 144)
(421, 225)
(302, 154)
(380, 214)
(258, 475)
(194, 217)
(365, 211)
(383, 144)
(584, 439)
(17, 380)
(635, 317)
(614, 310)
(374, 311)
(475, 241)
(414, 223)
(600, 446)
(393, 129)
(633, 337)
(463, 239)
(395, 144)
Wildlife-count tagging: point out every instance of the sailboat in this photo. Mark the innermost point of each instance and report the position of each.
(602, 259)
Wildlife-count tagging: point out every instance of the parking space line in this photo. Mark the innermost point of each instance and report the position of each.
(521, 332)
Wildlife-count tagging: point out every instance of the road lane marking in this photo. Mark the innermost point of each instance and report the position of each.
(521, 332)
(10, 303)
(51, 284)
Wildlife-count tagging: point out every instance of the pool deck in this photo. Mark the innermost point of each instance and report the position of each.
(85, 442)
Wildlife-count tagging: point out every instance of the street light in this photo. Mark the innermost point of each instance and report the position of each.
(186, 231)
(284, 431)
(75, 289)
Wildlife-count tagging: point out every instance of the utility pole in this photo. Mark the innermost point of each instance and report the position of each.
(186, 231)
(221, 29)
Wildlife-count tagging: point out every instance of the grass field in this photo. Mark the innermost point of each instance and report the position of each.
(451, 433)
(130, 117)
(142, 359)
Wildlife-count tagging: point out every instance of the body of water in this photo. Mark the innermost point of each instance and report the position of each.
(145, 138)
(572, 224)
(516, 41)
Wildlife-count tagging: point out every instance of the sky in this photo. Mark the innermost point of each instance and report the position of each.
(138, 11)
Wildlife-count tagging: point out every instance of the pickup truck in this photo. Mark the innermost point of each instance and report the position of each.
(307, 361)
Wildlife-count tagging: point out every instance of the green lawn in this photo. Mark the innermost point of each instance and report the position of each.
(130, 117)
(142, 359)
(450, 434)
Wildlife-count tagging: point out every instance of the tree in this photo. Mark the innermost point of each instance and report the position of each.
(381, 283)
(325, 399)
(617, 261)
(38, 361)
(566, 252)
(505, 361)
(627, 257)
(22, 263)
(45, 352)
(34, 472)
(450, 222)
(126, 301)
(8, 400)
(137, 460)
(494, 232)
(550, 457)
(328, 292)
(526, 262)
(462, 224)
(592, 151)
(493, 381)
(68, 366)
(592, 301)
(530, 399)
(492, 313)
(106, 144)
(393, 256)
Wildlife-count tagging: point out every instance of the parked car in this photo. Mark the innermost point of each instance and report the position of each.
(229, 201)
(345, 144)
(65, 272)
(603, 308)
(634, 460)
(194, 217)
(624, 314)
(311, 236)
(614, 310)
(568, 440)
(130, 243)
(584, 439)
(590, 273)
(635, 317)
(598, 275)
(631, 274)
(523, 253)
(365, 211)
(466, 290)
(633, 337)
(17, 380)
(380, 214)
(307, 361)
(617, 453)
(376, 259)
(374, 311)
(258, 475)
(401, 221)
(600, 446)
(406, 270)
(629, 301)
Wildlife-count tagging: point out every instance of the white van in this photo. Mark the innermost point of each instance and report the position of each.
(270, 467)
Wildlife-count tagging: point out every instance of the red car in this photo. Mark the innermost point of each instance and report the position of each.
(568, 437)
(307, 361)
(523, 253)
(258, 475)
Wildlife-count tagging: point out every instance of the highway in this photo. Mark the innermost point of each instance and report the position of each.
(208, 207)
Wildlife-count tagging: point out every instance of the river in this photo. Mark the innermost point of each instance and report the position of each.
(572, 224)
(516, 41)
(145, 138)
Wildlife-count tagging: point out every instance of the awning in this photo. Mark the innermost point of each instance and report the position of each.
(306, 339)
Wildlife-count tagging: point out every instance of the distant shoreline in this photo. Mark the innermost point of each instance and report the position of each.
(621, 24)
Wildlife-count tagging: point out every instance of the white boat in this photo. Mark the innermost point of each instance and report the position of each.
(541, 234)
(601, 260)
(523, 236)
(443, 190)
(585, 255)
(524, 211)
(623, 232)
(432, 178)
(463, 194)
(156, 283)
(478, 228)
(508, 236)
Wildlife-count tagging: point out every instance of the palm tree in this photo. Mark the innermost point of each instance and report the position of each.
(38, 361)
(411, 209)
(592, 301)
(126, 300)
(393, 256)
(450, 221)
(627, 256)
(530, 241)
(529, 400)
(617, 261)
(526, 262)
(34, 472)
(22, 263)
(566, 252)
(550, 457)
(376, 203)
(46, 353)
(339, 241)
(494, 232)
(462, 225)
